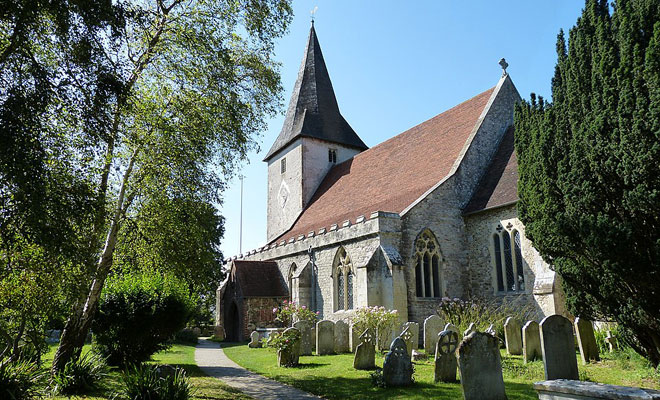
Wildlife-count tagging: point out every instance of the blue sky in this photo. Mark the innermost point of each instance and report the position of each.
(395, 64)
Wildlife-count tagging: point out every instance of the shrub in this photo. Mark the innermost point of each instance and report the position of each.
(145, 382)
(138, 316)
(19, 380)
(282, 341)
(290, 312)
(80, 376)
(186, 336)
(379, 319)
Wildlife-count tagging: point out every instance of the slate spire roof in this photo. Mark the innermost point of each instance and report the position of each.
(313, 110)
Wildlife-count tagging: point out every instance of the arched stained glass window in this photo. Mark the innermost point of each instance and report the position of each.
(428, 275)
(508, 260)
(343, 278)
(498, 262)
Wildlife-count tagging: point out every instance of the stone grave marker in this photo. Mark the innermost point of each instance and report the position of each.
(325, 337)
(531, 342)
(397, 367)
(365, 352)
(353, 338)
(254, 340)
(341, 337)
(289, 357)
(481, 368)
(445, 357)
(432, 327)
(558, 348)
(414, 329)
(584, 330)
(470, 329)
(407, 338)
(306, 344)
(512, 336)
(611, 341)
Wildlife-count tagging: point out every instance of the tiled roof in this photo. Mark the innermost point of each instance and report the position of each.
(260, 279)
(313, 110)
(392, 175)
(499, 185)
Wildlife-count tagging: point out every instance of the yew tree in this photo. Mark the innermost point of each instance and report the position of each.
(589, 165)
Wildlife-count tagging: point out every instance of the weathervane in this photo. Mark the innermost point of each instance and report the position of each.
(503, 64)
(313, 13)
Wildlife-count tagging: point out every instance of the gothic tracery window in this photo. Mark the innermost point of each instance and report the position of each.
(343, 274)
(428, 277)
(508, 260)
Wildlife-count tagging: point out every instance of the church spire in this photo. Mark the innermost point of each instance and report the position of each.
(313, 110)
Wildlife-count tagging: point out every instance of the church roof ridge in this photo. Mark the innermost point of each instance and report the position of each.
(313, 110)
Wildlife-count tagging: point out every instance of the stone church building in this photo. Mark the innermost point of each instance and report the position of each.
(427, 214)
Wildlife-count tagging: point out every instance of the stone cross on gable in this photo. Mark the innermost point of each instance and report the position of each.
(504, 65)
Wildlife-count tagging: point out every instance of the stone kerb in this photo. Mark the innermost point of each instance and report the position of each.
(584, 330)
(481, 367)
(306, 345)
(558, 348)
(561, 389)
(397, 367)
(531, 342)
(513, 336)
(325, 337)
(432, 327)
(341, 337)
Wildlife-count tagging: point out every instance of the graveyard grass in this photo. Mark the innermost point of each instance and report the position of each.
(179, 355)
(333, 376)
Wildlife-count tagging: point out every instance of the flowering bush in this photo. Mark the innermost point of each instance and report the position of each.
(291, 312)
(285, 340)
(379, 319)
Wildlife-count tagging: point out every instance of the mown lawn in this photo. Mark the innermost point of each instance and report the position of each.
(333, 377)
(179, 355)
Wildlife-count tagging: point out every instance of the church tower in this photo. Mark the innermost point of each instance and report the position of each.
(313, 139)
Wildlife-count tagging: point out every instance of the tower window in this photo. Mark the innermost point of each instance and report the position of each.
(283, 166)
(332, 156)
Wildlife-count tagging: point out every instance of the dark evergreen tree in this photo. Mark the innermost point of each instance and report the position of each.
(589, 165)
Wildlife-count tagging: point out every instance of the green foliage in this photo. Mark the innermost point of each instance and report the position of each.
(139, 314)
(290, 312)
(144, 382)
(186, 336)
(19, 380)
(80, 376)
(588, 164)
(377, 378)
(285, 340)
(379, 319)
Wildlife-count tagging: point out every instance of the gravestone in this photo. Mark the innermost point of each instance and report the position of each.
(432, 327)
(512, 336)
(397, 367)
(365, 352)
(325, 337)
(289, 357)
(306, 344)
(414, 329)
(341, 337)
(531, 342)
(452, 327)
(445, 357)
(558, 348)
(353, 337)
(254, 340)
(470, 329)
(407, 338)
(481, 368)
(611, 341)
(584, 330)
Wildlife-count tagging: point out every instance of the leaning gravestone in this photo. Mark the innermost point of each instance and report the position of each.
(325, 337)
(432, 326)
(445, 357)
(531, 342)
(305, 328)
(365, 352)
(481, 368)
(512, 336)
(397, 367)
(341, 337)
(584, 330)
(407, 338)
(353, 337)
(414, 329)
(470, 329)
(289, 356)
(254, 340)
(558, 348)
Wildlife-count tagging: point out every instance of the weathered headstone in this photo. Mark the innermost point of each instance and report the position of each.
(531, 342)
(365, 352)
(445, 357)
(414, 329)
(353, 337)
(432, 326)
(584, 330)
(306, 344)
(611, 341)
(254, 340)
(325, 337)
(289, 356)
(407, 338)
(470, 329)
(341, 337)
(558, 348)
(397, 367)
(481, 367)
(512, 336)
